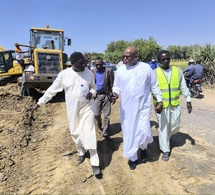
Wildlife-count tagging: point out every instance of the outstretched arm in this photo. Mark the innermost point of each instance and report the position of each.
(50, 92)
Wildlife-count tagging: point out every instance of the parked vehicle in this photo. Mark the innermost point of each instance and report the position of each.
(112, 67)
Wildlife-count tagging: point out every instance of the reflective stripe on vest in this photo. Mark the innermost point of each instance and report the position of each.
(170, 92)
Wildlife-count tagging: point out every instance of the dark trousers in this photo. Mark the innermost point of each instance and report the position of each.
(103, 105)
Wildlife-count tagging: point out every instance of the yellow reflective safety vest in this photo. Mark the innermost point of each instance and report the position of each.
(170, 92)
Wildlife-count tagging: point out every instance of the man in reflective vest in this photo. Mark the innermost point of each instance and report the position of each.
(171, 82)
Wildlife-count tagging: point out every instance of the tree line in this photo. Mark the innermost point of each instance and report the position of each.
(149, 47)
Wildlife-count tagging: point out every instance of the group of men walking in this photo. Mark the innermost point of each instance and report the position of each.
(89, 94)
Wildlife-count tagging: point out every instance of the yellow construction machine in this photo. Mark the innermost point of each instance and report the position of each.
(45, 53)
(8, 65)
(47, 46)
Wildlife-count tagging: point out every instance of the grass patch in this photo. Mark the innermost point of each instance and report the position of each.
(180, 64)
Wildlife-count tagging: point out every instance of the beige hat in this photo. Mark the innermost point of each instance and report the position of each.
(191, 60)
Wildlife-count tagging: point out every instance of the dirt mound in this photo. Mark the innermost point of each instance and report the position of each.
(38, 156)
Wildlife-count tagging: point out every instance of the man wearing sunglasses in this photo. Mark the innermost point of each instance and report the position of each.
(134, 82)
(104, 78)
(79, 87)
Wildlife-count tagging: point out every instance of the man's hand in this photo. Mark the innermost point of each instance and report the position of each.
(33, 108)
(114, 97)
(89, 96)
(109, 96)
(189, 107)
(159, 107)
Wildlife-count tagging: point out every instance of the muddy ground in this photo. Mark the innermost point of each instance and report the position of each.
(38, 156)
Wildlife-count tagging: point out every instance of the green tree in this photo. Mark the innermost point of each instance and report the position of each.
(146, 48)
(114, 51)
(95, 54)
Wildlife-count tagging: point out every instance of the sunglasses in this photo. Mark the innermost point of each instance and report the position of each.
(165, 59)
(99, 64)
(126, 56)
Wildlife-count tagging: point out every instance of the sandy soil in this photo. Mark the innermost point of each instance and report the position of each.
(38, 156)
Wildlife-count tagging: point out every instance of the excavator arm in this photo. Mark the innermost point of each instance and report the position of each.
(23, 45)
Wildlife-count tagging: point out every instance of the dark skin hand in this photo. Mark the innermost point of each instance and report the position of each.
(159, 107)
(109, 97)
(114, 97)
(89, 96)
(36, 106)
(189, 107)
(32, 109)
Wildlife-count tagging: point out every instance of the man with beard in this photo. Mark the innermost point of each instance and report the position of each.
(79, 86)
(135, 81)
(171, 82)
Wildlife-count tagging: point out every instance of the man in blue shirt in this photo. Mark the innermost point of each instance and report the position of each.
(153, 63)
(196, 72)
(104, 78)
(187, 71)
(193, 72)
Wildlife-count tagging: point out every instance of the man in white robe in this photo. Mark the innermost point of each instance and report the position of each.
(79, 86)
(134, 82)
(169, 118)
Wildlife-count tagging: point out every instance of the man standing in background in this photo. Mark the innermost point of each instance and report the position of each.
(104, 80)
(19, 56)
(153, 63)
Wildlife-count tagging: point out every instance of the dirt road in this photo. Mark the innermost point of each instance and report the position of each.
(38, 156)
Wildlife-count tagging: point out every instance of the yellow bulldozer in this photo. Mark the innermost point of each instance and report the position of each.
(45, 54)
(8, 65)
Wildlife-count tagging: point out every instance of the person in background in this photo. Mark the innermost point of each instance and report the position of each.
(187, 71)
(134, 82)
(28, 70)
(87, 57)
(171, 83)
(52, 44)
(153, 63)
(104, 78)
(79, 86)
(19, 56)
(196, 72)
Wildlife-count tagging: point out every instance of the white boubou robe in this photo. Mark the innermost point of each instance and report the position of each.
(79, 110)
(134, 84)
